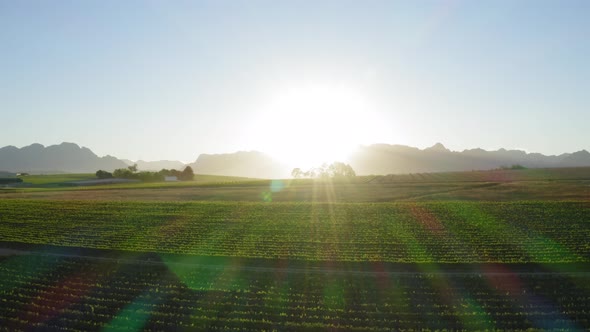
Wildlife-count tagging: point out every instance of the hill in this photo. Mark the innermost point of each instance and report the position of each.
(62, 158)
(380, 159)
(251, 164)
(376, 159)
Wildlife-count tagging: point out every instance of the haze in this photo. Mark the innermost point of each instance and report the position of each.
(301, 80)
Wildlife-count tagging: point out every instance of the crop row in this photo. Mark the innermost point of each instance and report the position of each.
(80, 294)
(466, 232)
(499, 175)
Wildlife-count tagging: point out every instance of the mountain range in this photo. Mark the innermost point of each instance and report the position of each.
(377, 159)
(252, 164)
(62, 158)
(398, 159)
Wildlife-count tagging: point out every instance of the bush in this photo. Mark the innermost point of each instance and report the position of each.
(129, 173)
(103, 174)
(123, 173)
(514, 167)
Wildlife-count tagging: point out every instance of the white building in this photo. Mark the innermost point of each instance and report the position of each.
(170, 178)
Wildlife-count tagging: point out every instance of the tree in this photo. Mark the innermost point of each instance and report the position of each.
(103, 174)
(133, 168)
(340, 169)
(349, 172)
(187, 174)
(323, 171)
(334, 170)
(297, 173)
(124, 173)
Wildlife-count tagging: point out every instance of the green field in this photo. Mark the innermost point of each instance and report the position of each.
(503, 185)
(55, 179)
(503, 250)
(41, 292)
(63, 180)
(459, 232)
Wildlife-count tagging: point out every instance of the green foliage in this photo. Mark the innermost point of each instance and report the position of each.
(103, 174)
(123, 173)
(187, 174)
(131, 173)
(238, 266)
(56, 179)
(513, 167)
(547, 232)
(148, 176)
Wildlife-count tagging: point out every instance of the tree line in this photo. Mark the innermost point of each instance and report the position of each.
(334, 170)
(131, 172)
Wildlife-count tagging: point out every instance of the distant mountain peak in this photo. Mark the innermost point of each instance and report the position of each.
(438, 147)
(69, 144)
(35, 146)
(64, 157)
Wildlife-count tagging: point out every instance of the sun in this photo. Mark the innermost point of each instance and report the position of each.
(309, 125)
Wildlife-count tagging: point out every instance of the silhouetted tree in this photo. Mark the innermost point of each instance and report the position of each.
(297, 173)
(103, 174)
(335, 170)
(340, 169)
(124, 173)
(187, 174)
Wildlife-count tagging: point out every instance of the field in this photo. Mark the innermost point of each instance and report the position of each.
(502, 250)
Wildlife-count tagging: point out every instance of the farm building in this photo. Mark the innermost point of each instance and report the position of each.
(170, 178)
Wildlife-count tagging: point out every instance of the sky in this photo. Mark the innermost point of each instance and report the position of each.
(159, 80)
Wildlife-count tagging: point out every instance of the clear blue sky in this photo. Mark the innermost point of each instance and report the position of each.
(172, 79)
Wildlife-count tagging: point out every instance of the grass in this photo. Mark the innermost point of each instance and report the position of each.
(55, 179)
(65, 179)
